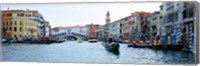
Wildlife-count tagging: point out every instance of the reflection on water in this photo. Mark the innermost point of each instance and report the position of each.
(72, 51)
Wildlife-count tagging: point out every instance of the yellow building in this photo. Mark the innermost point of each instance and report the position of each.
(21, 24)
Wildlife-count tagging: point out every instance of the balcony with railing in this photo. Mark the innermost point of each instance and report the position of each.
(188, 14)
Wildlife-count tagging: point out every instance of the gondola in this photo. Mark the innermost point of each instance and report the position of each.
(113, 47)
(140, 44)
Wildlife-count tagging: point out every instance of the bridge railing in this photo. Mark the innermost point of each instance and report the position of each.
(62, 34)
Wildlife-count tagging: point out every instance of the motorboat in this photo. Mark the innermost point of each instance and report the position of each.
(139, 44)
(92, 40)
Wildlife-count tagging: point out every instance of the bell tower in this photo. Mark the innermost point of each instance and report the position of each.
(107, 25)
(107, 17)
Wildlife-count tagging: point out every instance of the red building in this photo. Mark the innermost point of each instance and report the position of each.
(142, 31)
(92, 31)
(6, 18)
(126, 27)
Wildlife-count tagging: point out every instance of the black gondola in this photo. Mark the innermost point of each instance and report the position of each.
(113, 47)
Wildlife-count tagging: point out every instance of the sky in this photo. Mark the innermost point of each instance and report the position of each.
(72, 14)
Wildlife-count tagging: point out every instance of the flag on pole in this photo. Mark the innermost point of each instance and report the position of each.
(178, 33)
(191, 36)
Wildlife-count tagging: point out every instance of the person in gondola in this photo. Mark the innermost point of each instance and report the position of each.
(110, 40)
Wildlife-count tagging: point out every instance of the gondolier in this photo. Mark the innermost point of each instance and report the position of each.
(111, 45)
(110, 40)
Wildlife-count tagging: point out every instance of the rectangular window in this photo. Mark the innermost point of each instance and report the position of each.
(20, 28)
(18, 15)
(7, 23)
(191, 12)
(3, 23)
(120, 31)
(15, 22)
(161, 17)
(15, 35)
(22, 15)
(4, 29)
(129, 23)
(15, 29)
(9, 15)
(10, 22)
(20, 35)
(11, 28)
(20, 22)
(3, 14)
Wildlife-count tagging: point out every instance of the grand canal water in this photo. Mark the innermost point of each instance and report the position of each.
(85, 52)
